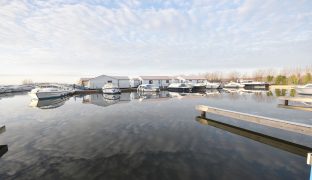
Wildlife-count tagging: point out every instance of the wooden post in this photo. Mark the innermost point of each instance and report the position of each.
(3, 149)
(2, 129)
(203, 114)
(309, 162)
(286, 102)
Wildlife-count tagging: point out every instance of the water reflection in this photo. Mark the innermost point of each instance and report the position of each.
(11, 95)
(48, 103)
(105, 100)
(259, 137)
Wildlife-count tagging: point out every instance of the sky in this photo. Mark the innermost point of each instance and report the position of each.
(65, 40)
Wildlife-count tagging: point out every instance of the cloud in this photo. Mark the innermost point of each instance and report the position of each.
(140, 37)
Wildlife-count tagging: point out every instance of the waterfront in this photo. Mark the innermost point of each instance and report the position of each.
(145, 136)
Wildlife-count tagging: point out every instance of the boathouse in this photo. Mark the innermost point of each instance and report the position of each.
(99, 81)
(161, 81)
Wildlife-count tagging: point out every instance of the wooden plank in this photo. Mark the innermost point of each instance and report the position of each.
(270, 122)
(309, 159)
(295, 107)
(296, 99)
(2, 129)
(259, 137)
(3, 149)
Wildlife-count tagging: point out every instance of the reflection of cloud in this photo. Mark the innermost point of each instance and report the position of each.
(42, 35)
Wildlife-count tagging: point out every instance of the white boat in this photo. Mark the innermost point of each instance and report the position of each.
(305, 90)
(210, 85)
(148, 88)
(250, 84)
(234, 85)
(180, 87)
(199, 87)
(49, 91)
(110, 88)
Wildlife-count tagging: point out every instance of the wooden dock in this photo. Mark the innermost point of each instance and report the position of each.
(295, 99)
(259, 137)
(270, 122)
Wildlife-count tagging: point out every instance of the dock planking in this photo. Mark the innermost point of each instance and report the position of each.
(295, 99)
(302, 108)
(261, 120)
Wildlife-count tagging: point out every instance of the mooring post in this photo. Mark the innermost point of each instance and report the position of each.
(309, 162)
(2, 129)
(286, 102)
(203, 114)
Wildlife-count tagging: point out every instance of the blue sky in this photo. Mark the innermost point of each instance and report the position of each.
(50, 39)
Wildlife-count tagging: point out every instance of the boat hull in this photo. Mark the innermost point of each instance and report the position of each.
(199, 89)
(304, 91)
(48, 95)
(111, 91)
(185, 90)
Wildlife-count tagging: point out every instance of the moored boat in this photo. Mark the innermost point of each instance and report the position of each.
(234, 85)
(148, 88)
(210, 85)
(110, 88)
(249, 84)
(180, 87)
(305, 90)
(199, 87)
(49, 91)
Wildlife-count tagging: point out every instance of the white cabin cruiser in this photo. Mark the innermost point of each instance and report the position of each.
(210, 85)
(110, 88)
(49, 91)
(234, 85)
(180, 87)
(148, 88)
(305, 90)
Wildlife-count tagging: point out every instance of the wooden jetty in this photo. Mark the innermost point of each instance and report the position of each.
(259, 137)
(295, 99)
(270, 122)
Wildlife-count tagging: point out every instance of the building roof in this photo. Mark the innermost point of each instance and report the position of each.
(156, 77)
(115, 77)
(195, 77)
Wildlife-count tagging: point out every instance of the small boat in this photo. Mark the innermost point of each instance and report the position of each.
(110, 88)
(180, 87)
(305, 90)
(210, 85)
(249, 84)
(234, 85)
(49, 91)
(148, 88)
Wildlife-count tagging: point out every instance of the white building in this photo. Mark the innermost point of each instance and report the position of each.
(135, 82)
(100, 81)
(161, 81)
(191, 79)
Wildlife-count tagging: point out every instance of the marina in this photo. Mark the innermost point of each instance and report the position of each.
(154, 127)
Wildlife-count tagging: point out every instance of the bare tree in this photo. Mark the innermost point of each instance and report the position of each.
(27, 81)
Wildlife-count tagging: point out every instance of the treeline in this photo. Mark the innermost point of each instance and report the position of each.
(285, 76)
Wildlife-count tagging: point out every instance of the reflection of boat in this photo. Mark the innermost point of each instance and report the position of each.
(234, 85)
(48, 103)
(210, 85)
(212, 92)
(111, 96)
(180, 87)
(262, 138)
(148, 88)
(49, 91)
(199, 87)
(110, 88)
(306, 89)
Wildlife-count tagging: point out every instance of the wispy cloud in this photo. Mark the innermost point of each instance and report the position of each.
(138, 37)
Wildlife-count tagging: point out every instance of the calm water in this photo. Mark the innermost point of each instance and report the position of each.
(144, 136)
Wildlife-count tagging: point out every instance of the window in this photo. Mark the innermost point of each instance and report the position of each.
(110, 81)
(150, 82)
(167, 81)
